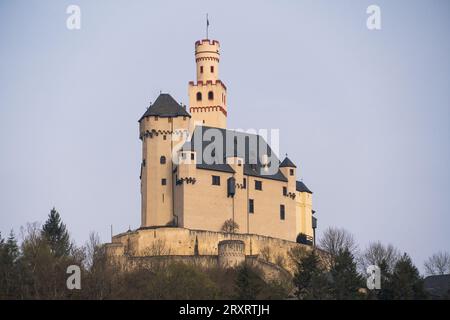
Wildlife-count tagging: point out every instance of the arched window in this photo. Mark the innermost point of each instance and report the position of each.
(199, 96)
(162, 160)
(210, 95)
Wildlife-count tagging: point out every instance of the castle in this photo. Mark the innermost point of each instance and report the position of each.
(203, 184)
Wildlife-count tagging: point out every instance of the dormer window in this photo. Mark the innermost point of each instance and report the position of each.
(265, 160)
(210, 95)
(199, 96)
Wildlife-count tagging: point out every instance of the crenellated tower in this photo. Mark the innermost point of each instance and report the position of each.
(163, 120)
(208, 96)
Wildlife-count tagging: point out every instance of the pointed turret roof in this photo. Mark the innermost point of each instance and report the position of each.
(166, 107)
(287, 163)
(301, 187)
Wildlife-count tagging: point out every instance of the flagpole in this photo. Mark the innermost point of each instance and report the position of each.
(207, 26)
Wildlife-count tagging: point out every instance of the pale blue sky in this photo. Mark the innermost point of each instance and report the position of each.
(364, 114)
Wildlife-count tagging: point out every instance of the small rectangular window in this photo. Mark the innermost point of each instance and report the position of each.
(192, 156)
(201, 69)
(258, 185)
(284, 191)
(244, 184)
(282, 214)
(212, 69)
(163, 182)
(251, 206)
(216, 180)
(291, 172)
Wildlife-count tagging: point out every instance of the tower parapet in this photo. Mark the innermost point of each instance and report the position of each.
(207, 58)
(231, 253)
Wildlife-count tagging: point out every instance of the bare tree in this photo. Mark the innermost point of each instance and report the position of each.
(297, 253)
(230, 226)
(265, 254)
(378, 254)
(280, 260)
(92, 248)
(335, 240)
(157, 248)
(438, 264)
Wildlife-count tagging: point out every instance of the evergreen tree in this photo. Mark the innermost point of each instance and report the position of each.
(56, 235)
(345, 280)
(9, 253)
(310, 279)
(385, 292)
(248, 283)
(405, 282)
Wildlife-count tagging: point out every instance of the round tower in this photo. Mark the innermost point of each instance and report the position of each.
(162, 120)
(207, 58)
(208, 95)
(231, 253)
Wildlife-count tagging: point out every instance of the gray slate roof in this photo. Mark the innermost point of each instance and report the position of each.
(251, 151)
(438, 286)
(287, 163)
(166, 107)
(301, 187)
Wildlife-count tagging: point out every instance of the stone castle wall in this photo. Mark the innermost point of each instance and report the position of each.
(181, 242)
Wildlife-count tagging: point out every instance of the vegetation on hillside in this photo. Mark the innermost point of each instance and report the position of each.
(36, 268)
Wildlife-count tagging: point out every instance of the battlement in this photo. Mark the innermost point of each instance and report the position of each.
(201, 83)
(231, 253)
(208, 109)
(207, 42)
(207, 50)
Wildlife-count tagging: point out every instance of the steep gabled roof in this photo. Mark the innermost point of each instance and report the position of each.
(254, 144)
(166, 107)
(301, 187)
